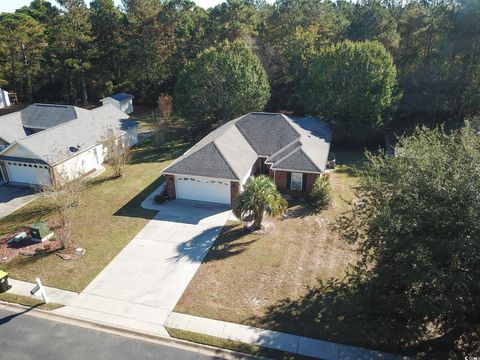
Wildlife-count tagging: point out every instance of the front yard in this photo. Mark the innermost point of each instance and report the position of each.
(260, 280)
(108, 217)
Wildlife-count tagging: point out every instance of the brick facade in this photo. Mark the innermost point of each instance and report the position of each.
(170, 186)
(234, 190)
(281, 180)
(309, 182)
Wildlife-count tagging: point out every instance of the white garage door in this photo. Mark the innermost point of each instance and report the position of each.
(202, 189)
(27, 173)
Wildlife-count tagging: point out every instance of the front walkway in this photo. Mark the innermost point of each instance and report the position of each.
(143, 283)
(273, 339)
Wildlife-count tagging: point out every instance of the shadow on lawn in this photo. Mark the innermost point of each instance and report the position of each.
(147, 152)
(355, 315)
(22, 218)
(134, 207)
(200, 247)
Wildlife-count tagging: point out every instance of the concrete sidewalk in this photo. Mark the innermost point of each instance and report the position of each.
(57, 296)
(273, 339)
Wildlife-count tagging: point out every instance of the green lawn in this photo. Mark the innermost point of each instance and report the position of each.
(244, 275)
(108, 217)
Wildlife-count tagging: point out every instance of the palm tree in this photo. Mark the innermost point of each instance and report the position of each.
(259, 195)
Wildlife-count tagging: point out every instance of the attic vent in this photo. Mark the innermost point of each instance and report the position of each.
(73, 149)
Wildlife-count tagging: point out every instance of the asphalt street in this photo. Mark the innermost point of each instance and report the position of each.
(23, 336)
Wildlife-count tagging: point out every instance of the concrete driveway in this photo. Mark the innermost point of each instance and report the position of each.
(14, 197)
(142, 285)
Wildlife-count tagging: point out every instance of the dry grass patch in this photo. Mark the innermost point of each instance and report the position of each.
(244, 274)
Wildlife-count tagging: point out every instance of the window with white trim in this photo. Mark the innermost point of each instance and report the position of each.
(296, 180)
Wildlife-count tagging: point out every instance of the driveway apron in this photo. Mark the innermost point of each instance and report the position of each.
(143, 283)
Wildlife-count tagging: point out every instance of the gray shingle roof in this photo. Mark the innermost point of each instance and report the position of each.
(44, 116)
(211, 161)
(87, 129)
(266, 132)
(11, 127)
(296, 160)
(295, 144)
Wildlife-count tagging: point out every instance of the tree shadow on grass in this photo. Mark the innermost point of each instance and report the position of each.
(337, 312)
(200, 247)
(133, 208)
(23, 217)
(147, 152)
(300, 209)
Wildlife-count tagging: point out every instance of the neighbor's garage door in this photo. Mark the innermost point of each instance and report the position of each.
(27, 173)
(202, 189)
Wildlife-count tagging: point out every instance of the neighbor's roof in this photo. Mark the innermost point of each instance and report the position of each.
(120, 96)
(87, 129)
(230, 151)
(11, 127)
(16, 125)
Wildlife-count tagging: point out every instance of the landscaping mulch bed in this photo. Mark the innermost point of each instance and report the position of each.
(25, 247)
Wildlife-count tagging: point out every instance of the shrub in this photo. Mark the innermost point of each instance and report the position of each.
(161, 198)
(320, 195)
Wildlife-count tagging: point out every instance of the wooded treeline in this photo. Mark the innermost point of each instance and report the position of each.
(77, 53)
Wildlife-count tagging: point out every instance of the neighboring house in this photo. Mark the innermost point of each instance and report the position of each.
(293, 152)
(4, 99)
(44, 143)
(122, 101)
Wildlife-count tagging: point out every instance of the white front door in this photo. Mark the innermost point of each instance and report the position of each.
(202, 189)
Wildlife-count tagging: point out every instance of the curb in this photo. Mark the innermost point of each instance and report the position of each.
(130, 333)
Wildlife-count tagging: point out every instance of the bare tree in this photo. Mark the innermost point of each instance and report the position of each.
(160, 119)
(62, 195)
(118, 152)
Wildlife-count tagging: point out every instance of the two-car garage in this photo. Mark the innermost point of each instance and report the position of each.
(202, 189)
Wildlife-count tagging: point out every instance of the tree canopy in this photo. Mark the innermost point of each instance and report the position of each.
(352, 85)
(416, 225)
(223, 82)
(142, 47)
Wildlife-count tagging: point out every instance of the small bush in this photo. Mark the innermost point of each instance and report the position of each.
(320, 195)
(160, 198)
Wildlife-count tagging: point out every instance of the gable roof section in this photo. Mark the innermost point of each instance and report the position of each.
(266, 132)
(225, 161)
(207, 161)
(230, 151)
(296, 160)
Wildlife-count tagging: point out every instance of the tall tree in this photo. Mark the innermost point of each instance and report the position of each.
(73, 41)
(22, 41)
(221, 83)
(108, 25)
(353, 86)
(372, 21)
(233, 20)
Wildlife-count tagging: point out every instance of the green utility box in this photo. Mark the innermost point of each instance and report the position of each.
(39, 230)
(4, 281)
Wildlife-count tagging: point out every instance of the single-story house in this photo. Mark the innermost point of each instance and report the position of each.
(122, 101)
(292, 151)
(44, 143)
(4, 99)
